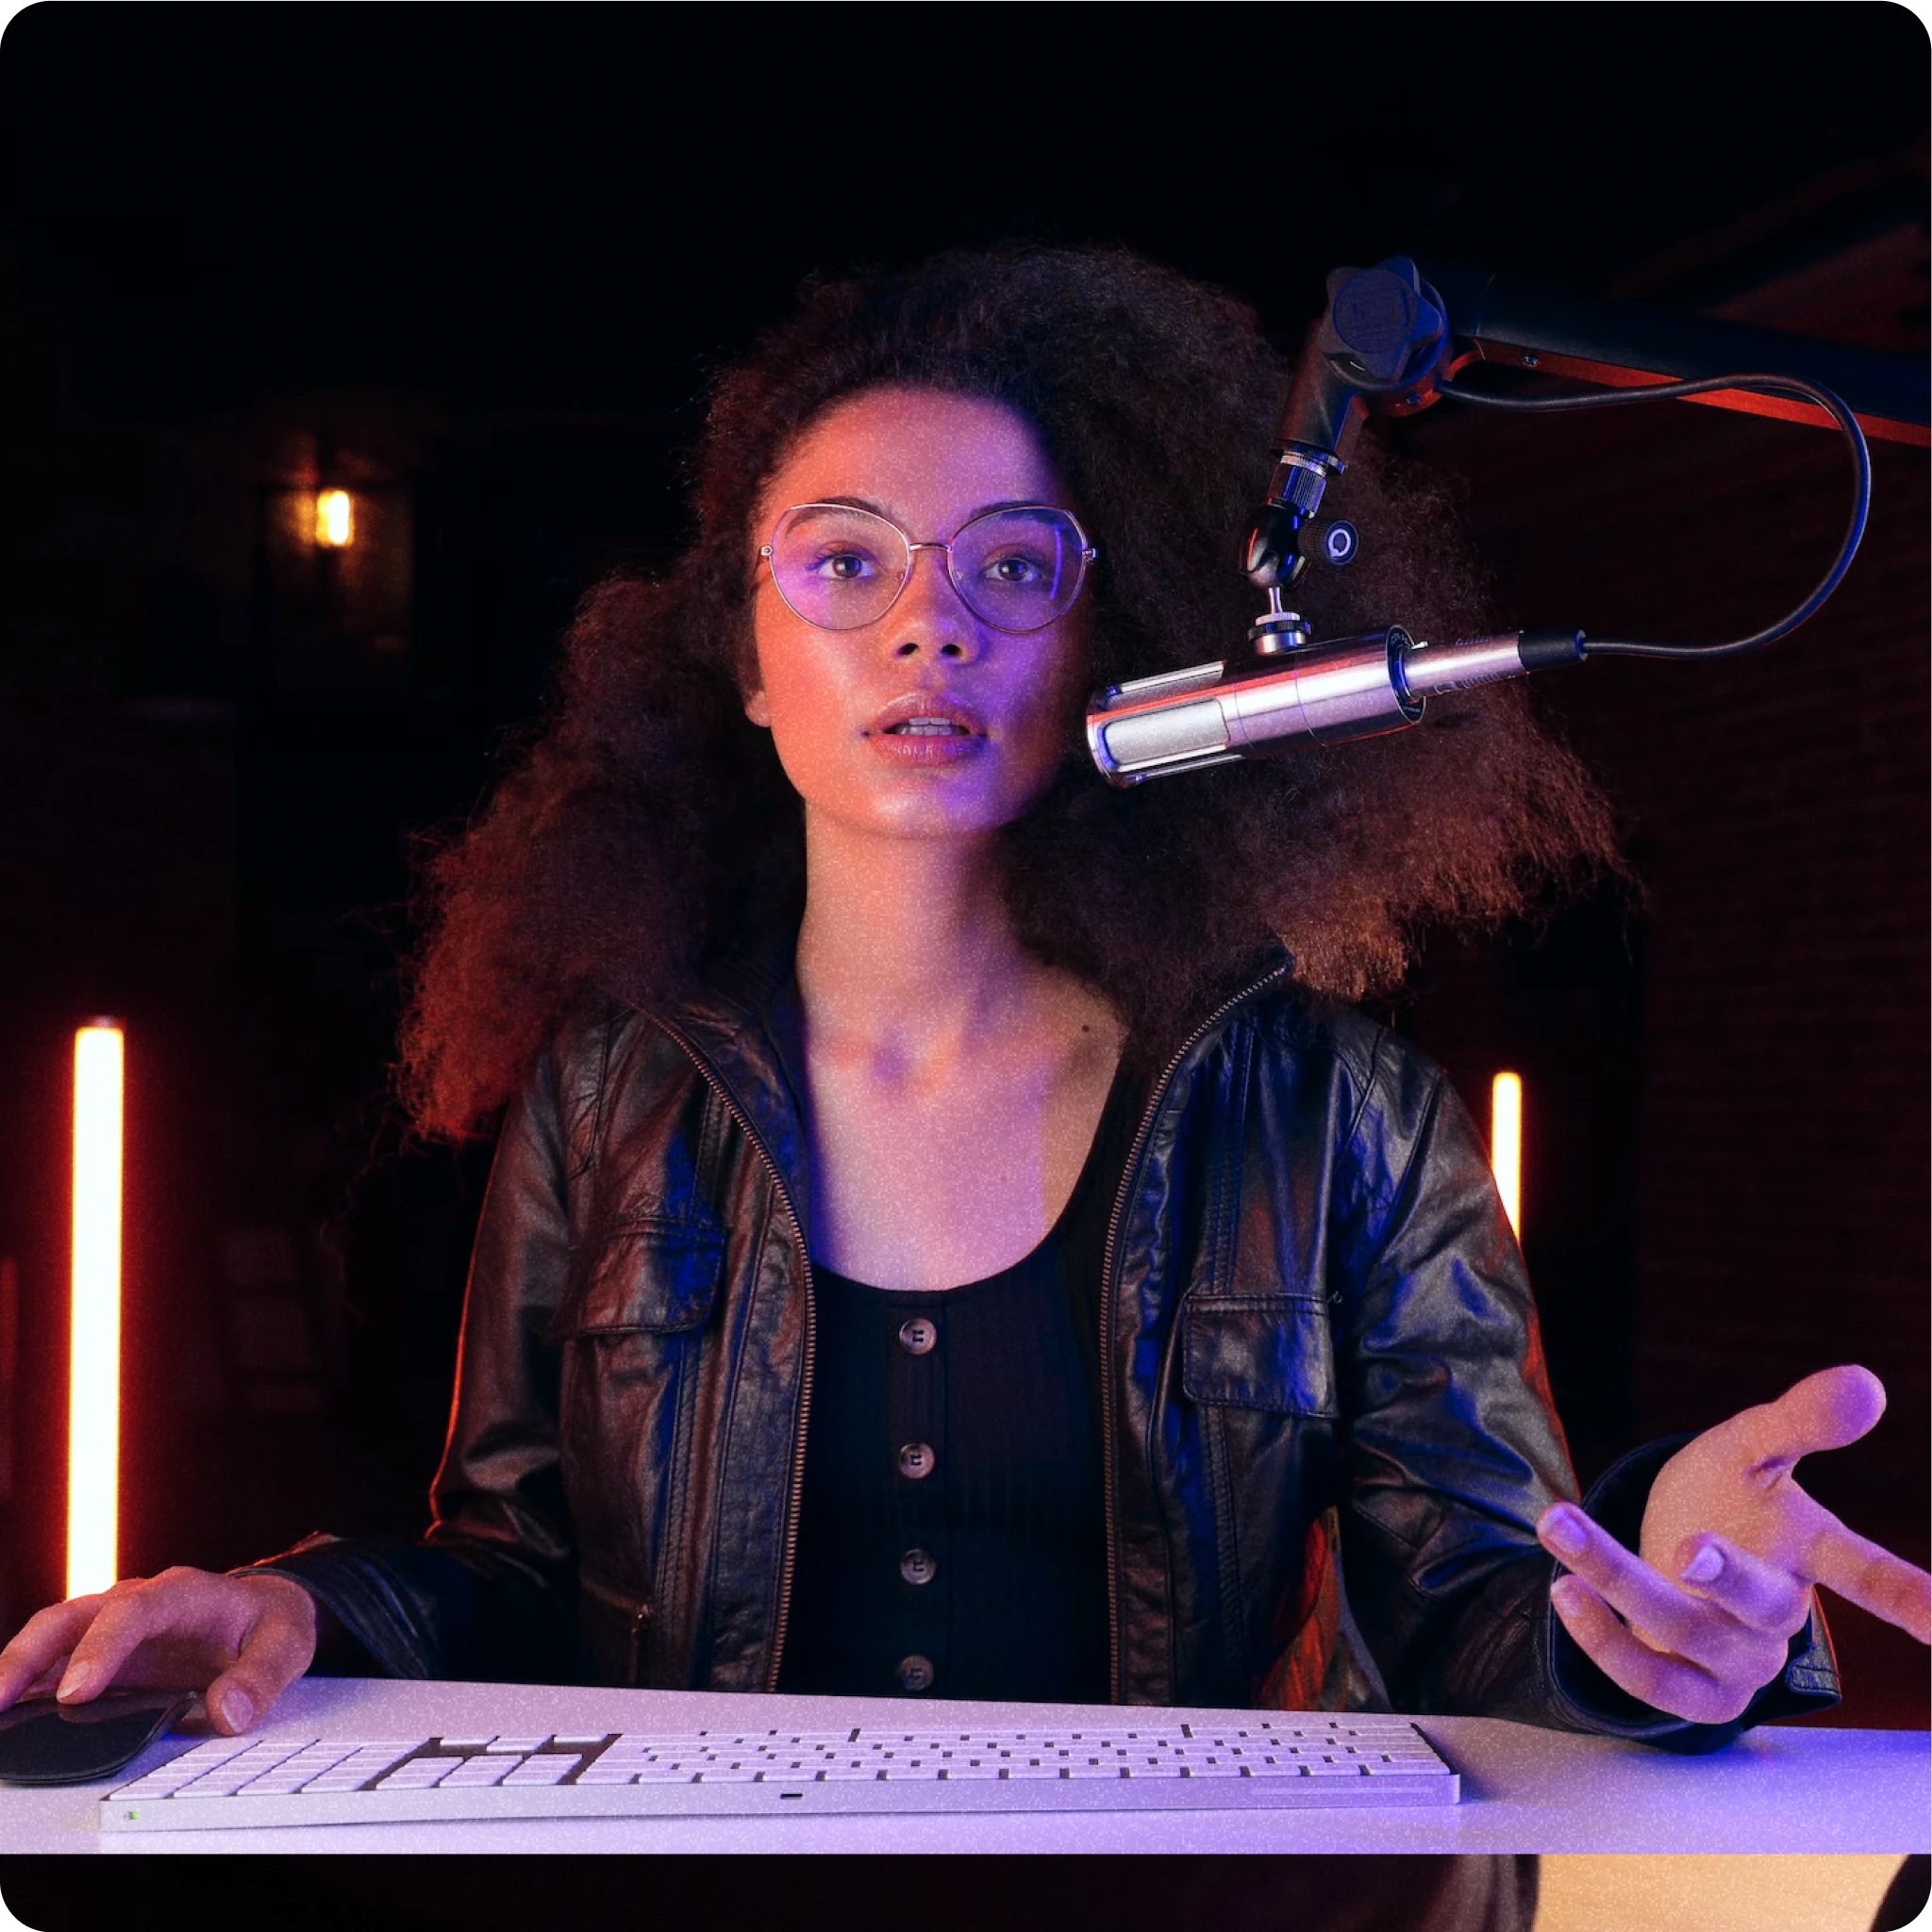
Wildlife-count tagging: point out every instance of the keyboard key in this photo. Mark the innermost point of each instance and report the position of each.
(419, 1775)
(198, 1761)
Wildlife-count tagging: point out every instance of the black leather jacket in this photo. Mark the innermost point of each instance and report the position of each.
(1328, 1430)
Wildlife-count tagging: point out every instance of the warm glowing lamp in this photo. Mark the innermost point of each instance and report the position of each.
(93, 1403)
(335, 519)
(1505, 1145)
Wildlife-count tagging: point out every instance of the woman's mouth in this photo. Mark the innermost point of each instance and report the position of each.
(926, 729)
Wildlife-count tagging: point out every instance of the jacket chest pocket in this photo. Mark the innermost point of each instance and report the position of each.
(1265, 1352)
(655, 1277)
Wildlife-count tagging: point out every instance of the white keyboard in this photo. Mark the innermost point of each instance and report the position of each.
(1285, 1758)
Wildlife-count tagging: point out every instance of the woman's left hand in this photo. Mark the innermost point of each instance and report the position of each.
(1730, 1549)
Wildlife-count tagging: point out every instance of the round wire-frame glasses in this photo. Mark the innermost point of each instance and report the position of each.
(841, 566)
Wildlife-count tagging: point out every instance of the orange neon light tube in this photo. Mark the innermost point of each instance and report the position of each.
(93, 1397)
(1505, 1145)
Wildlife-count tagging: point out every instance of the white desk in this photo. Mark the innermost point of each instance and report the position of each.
(1777, 1790)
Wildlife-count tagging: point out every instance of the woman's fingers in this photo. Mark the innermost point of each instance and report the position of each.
(40, 1643)
(1760, 1594)
(1824, 1411)
(1731, 1652)
(1665, 1682)
(133, 1613)
(279, 1647)
(1862, 1572)
(244, 1639)
(1665, 1614)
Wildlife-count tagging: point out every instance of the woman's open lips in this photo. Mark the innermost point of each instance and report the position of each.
(925, 728)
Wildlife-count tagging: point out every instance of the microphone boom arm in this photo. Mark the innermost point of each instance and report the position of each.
(1390, 338)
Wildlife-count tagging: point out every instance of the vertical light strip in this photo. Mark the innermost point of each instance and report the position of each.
(93, 1399)
(10, 1369)
(1505, 1145)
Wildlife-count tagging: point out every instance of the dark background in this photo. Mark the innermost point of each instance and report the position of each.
(475, 265)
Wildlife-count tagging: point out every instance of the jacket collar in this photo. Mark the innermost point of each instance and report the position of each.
(742, 1020)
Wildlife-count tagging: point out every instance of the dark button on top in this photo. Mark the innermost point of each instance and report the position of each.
(918, 1566)
(916, 1461)
(917, 1335)
(916, 1672)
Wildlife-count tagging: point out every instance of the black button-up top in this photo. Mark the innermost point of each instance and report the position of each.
(952, 1539)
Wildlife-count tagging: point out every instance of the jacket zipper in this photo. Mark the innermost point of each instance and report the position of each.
(796, 1495)
(637, 1629)
(1106, 1304)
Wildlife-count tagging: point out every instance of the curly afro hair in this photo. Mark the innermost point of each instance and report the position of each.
(648, 823)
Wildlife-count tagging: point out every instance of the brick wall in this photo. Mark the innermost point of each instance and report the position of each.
(1754, 1054)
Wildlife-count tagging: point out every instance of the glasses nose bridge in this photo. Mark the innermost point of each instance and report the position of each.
(912, 551)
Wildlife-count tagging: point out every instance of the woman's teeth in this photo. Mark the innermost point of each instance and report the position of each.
(925, 728)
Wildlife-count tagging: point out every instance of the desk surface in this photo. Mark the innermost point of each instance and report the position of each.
(1777, 1790)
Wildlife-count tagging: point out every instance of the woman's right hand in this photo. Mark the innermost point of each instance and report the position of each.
(240, 1639)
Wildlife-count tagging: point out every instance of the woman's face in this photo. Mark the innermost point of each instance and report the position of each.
(841, 704)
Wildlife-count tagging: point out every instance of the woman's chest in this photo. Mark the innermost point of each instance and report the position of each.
(927, 1185)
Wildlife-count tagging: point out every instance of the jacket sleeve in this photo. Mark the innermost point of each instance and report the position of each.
(1453, 1449)
(488, 1592)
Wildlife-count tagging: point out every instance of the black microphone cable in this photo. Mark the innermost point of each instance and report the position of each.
(1648, 393)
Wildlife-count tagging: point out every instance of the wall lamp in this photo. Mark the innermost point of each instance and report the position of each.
(335, 519)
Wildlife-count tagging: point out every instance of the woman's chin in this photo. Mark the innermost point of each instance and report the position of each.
(928, 808)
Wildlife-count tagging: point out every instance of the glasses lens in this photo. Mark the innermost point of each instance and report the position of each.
(1018, 569)
(838, 567)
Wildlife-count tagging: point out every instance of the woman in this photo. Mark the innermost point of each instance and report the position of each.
(944, 1237)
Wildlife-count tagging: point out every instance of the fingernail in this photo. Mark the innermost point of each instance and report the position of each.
(1564, 1528)
(77, 1682)
(237, 1712)
(1563, 1596)
(1704, 1567)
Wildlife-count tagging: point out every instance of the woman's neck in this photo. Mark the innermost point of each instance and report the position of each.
(908, 951)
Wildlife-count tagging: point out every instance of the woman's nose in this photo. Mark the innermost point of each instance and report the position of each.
(929, 619)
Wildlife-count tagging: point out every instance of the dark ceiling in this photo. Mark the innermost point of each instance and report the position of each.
(569, 207)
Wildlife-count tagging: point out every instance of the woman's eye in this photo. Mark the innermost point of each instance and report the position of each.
(1013, 570)
(845, 566)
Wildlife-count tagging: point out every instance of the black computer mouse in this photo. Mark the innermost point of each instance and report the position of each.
(42, 1742)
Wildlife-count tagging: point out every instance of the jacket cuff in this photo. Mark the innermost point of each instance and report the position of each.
(369, 1620)
(1807, 1682)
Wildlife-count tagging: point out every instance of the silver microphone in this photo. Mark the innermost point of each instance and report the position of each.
(1213, 714)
